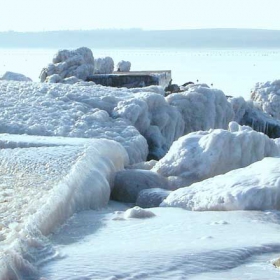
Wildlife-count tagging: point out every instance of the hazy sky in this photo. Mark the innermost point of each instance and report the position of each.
(36, 15)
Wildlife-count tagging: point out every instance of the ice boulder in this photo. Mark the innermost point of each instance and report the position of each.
(68, 63)
(123, 66)
(151, 197)
(11, 76)
(129, 183)
(255, 187)
(204, 154)
(202, 108)
(268, 96)
(138, 213)
(104, 65)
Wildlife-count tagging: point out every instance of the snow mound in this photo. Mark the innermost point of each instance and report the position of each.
(129, 183)
(268, 96)
(123, 66)
(202, 108)
(255, 187)
(103, 65)
(138, 213)
(151, 197)
(11, 76)
(204, 154)
(68, 63)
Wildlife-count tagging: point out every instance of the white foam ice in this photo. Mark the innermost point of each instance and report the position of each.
(44, 185)
(255, 187)
(204, 154)
(66, 110)
(202, 108)
(267, 95)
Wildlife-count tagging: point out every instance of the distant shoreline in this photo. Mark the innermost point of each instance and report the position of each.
(137, 38)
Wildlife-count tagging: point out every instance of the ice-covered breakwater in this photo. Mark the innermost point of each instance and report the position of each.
(44, 184)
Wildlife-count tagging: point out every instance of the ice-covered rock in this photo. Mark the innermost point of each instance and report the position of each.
(159, 122)
(129, 183)
(12, 76)
(268, 96)
(104, 65)
(145, 165)
(202, 108)
(138, 213)
(149, 198)
(68, 63)
(204, 154)
(123, 66)
(255, 187)
(249, 113)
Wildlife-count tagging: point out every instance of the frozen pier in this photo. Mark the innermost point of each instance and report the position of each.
(132, 79)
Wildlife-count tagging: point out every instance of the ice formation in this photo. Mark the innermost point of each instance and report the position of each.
(249, 113)
(204, 154)
(46, 183)
(149, 198)
(72, 111)
(11, 76)
(255, 187)
(202, 108)
(78, 63)
(159, 122)
(138, 213)
(129, 183)
(267, 95)
(103, 65)
(123, 66)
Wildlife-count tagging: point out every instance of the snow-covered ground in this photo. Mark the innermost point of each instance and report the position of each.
(66, 149)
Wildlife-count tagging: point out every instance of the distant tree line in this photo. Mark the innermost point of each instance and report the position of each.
(137, 38)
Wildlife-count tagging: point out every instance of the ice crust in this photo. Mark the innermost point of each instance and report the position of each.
(255, 187)
(204, 154)
(45, 185)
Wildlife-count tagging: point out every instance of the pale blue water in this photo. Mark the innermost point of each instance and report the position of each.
(235, 71)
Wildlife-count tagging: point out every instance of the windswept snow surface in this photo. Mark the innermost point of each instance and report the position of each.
(255, 187)
(204, 154)
(42, 186)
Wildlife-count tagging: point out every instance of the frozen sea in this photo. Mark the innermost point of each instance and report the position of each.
(235, 71)
(49, 177)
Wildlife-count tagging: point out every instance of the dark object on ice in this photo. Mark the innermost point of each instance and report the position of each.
(129, 183)
(133, 79)
(151, 197)
(188, 83)
(171, 88)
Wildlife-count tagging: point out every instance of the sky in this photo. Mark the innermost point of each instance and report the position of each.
(44, 15)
